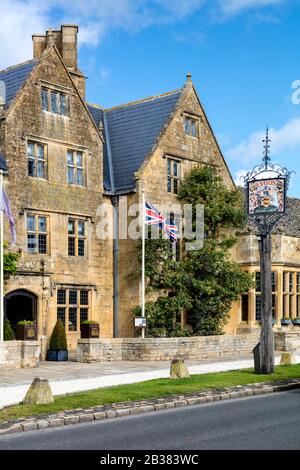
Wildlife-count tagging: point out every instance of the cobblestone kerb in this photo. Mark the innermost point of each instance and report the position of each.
(117, 410)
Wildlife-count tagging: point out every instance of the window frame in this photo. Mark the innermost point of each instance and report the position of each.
(258, 297)
(66, 306)
(49, 92)
(35, 158)
(290, 294)
(38, 233)
(76, 168)
(191, 122)
(77, 237)
(172, 178)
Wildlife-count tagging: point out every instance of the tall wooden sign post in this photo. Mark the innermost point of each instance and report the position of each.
(266, 188)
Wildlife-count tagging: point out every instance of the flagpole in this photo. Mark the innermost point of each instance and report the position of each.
(1, 261)
(143, 260)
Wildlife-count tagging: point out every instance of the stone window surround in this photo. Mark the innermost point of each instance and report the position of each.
(76, 237)
(291, 294)
(58, 89)
(274, 294)
(194, 117)
(37, 214)
(76, 167)
(279, 294)
(68, 146)
(170, 160)
(37, 141)
(67, 306)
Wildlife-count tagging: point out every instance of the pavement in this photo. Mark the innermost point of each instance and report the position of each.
(258, 422)
(71, 377)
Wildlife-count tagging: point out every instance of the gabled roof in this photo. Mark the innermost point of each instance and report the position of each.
(14, 77)
(130, 133)
(97, 114)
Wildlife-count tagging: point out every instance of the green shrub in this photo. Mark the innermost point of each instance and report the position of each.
(8, 331)
(26, 322)
(10, 262)
(58, 340)
(90, 322)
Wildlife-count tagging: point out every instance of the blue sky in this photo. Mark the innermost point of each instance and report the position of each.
(243, 56)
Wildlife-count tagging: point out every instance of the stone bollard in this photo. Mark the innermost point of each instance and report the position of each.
(287, 358)
(39, 393)
(179, 369)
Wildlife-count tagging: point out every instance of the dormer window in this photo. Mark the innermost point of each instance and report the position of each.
(191, 126)
(55, 101)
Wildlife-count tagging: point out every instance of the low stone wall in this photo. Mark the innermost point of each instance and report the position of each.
(164, 349)
(287, 341)
(19, 354)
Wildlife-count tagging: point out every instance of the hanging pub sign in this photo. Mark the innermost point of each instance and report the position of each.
(266, 196)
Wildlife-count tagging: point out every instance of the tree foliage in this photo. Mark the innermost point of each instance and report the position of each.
(206, 281)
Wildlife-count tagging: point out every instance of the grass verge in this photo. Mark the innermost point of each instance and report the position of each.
(147, 390)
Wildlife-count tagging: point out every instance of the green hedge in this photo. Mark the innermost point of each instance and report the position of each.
(58, 340)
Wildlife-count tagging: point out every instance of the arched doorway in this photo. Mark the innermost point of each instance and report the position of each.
(20, 305)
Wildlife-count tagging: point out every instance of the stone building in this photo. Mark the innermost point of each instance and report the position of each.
(54, 151)
(66, 158)
(246, 313)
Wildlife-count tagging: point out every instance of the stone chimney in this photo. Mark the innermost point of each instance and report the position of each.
(65, 41)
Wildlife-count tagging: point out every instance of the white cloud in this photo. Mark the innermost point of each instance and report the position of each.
(234, 7)
(284, 139)
(97, 18)
(21, 18)
(238, 177)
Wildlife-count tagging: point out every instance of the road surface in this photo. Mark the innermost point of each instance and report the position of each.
(262, 422)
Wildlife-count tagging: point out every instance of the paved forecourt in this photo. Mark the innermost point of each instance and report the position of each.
(71, 377)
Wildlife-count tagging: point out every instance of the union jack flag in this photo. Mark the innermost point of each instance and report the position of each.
(169, 230)
(154, 217)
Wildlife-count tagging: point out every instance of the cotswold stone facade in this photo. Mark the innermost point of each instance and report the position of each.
(49, 281)
(176, 145)
(66, 157)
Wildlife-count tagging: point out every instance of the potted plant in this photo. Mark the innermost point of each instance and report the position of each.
(286, 321)
(58, 344)
(8, 332)
(89, 329)
(26, 330)
(296, 321)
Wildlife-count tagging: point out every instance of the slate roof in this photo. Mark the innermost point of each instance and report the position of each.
(130, 131)
(98, 116)
(290, 222)
(133, 130)
(14, 78)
